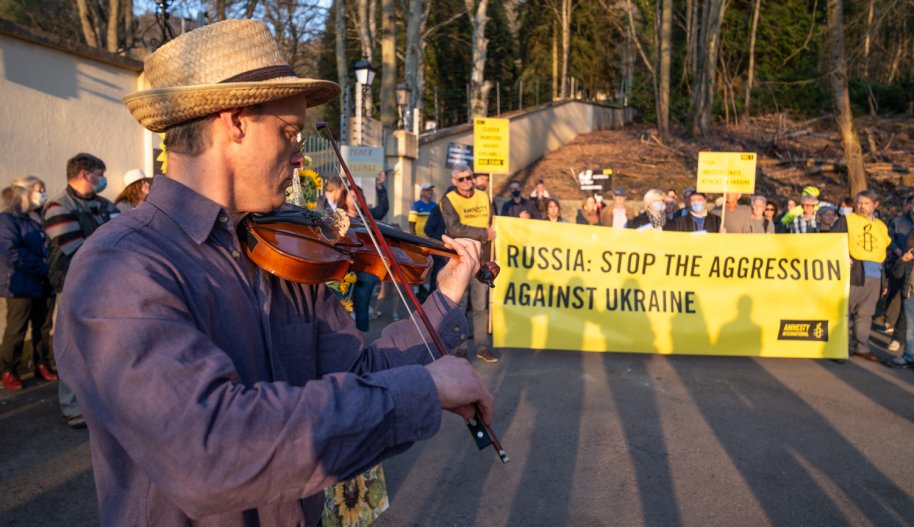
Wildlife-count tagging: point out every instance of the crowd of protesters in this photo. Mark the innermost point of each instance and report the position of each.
(881, 274)
(38, 239)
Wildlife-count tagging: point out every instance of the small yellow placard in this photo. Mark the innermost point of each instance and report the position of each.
(491, 145)
(607, 171)
(726, 172)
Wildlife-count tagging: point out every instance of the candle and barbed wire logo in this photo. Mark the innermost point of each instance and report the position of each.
(867, 241)
(803, 330)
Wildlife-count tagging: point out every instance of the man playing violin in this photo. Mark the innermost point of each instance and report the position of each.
(216, 393)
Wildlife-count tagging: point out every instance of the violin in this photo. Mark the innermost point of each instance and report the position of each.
(313, 247)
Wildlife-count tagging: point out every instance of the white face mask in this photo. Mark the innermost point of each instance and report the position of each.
(658, 206)
(38, 199)
(598, 198)
(845, 211)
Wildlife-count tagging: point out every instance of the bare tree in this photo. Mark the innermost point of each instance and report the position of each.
(756, 7)
(85, 20)
(367, 30)
(342, 64)
(479, 87)
(664, 32)
(388, 64)
(712, 14)
(416, 17)
(837, 82)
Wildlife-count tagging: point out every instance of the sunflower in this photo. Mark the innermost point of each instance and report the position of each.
(347, 304)
(349, 498)
(347, 282)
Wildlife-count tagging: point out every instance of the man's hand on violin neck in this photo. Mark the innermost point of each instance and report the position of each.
(454, 277)
(459, 387)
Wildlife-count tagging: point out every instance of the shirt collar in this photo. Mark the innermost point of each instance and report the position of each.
(194, 213)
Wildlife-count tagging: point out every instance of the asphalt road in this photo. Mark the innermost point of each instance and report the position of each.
(594, 439)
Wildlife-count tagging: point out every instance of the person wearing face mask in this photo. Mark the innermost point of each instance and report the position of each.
(69, 218)
(698, 219)
(24, 282)
(518, 205)
(654, 216)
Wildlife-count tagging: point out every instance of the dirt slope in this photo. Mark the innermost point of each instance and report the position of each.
(791, 155)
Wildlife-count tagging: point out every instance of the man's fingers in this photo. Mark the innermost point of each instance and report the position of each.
(464, 247)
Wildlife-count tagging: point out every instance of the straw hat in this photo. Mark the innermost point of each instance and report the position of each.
(228, 64)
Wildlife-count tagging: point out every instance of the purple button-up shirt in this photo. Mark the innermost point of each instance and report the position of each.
(218, 394)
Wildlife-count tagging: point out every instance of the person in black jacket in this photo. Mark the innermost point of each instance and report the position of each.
(697, 220)
(24, 282)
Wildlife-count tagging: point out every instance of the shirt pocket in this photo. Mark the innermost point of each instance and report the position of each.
(295, 353)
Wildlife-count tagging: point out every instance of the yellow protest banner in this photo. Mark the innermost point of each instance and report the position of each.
(726, 172)
(491, 145)
(586, 288)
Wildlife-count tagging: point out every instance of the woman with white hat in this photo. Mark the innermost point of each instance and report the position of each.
(136, 188)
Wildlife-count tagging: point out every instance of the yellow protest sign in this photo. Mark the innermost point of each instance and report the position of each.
(586, 288)
(491, 145)
(726, 172)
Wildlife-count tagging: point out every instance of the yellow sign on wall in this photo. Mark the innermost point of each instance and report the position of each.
(491, 145)
(588, 288)
(726, 172)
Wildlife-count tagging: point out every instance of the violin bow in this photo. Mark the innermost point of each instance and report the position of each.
(482, 432)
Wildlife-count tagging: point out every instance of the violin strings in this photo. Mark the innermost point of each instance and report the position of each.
(390, 273)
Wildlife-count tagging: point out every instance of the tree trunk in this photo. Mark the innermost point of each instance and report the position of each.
(555, 61)
(756, 8)
(664, 53)
(220, 9)
(342, 66)
(113, 16)
(366, 39)
(128, 25)
(87, 25)
(411, 67)
(565, 20)
(479, 87)
(867, 38)
(837, 81)
(388, 65)
(706, 66)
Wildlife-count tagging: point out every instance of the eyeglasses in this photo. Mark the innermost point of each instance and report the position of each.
(299, 133)
(464, 178)
(769, 209)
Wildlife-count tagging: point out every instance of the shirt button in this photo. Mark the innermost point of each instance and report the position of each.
(223, 218)
(236, 254)
(463, 336)
(456, 329)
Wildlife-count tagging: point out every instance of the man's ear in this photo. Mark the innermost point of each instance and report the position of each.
(232, 124)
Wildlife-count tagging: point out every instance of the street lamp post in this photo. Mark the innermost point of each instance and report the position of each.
(403, 93)
(364, 74)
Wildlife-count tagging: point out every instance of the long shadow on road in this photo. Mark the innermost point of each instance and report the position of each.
(800, 469)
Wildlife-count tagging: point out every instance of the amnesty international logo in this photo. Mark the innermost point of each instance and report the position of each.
(803, 330)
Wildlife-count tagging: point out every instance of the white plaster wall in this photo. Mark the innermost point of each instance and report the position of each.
(54, 105)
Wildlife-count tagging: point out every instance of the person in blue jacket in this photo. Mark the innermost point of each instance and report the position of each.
(24, 282)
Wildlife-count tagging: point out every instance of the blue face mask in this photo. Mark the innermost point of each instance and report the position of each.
(698, 206)
(100, 184)
(658, 206)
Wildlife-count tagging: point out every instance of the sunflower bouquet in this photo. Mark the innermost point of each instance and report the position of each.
(306, 187)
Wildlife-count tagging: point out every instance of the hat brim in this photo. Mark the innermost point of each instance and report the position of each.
(159, 108)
